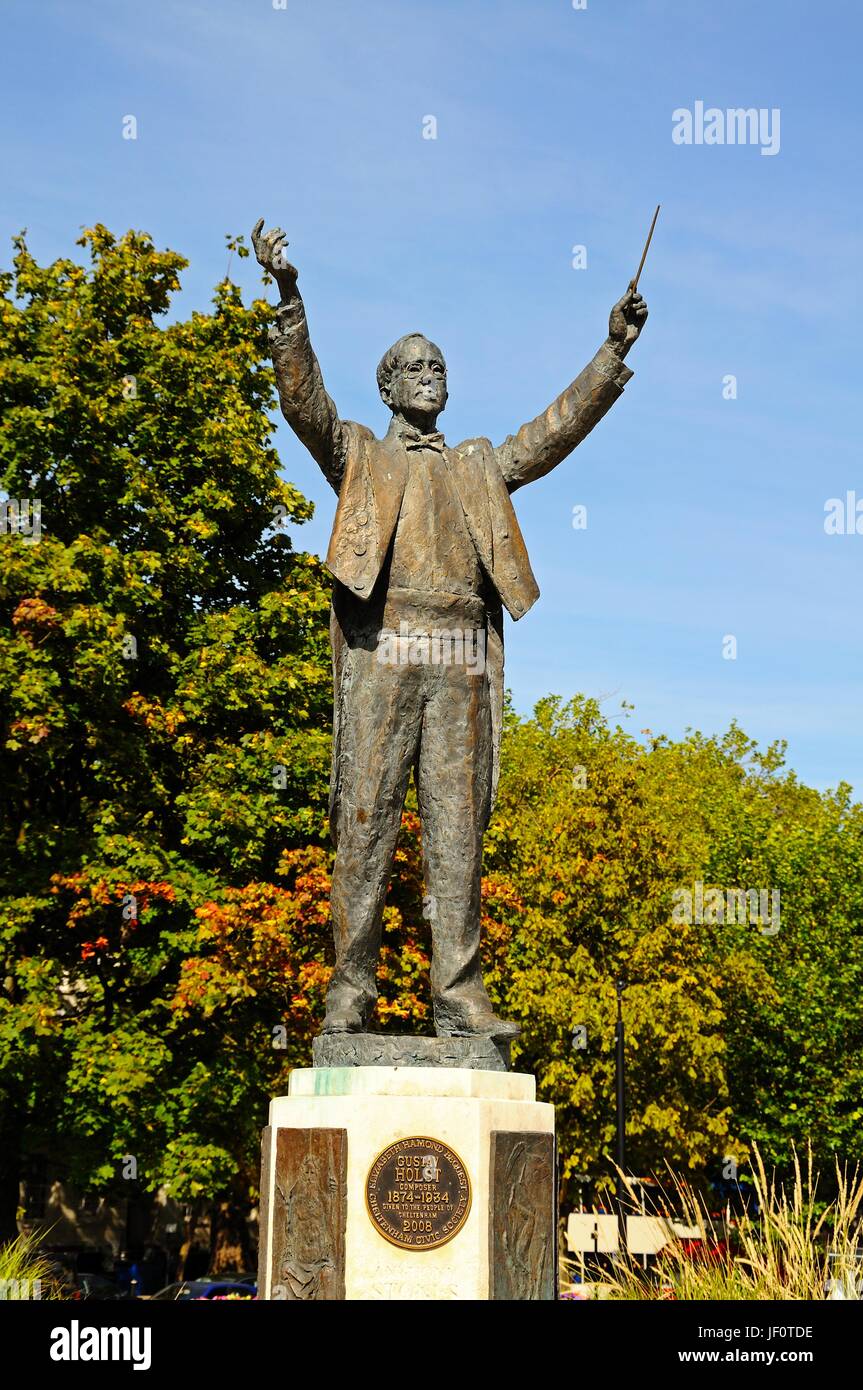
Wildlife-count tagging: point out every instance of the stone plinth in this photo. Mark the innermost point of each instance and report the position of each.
(394, 1050)
(485, 1150)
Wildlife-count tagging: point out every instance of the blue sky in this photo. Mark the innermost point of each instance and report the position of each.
(554, 129)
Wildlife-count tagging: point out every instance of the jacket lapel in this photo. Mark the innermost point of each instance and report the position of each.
(389, 476)
(466, 469)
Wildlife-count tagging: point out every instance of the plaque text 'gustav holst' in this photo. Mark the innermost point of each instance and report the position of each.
(418, 1193)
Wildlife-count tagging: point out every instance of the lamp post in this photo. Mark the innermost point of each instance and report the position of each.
(620, 1074)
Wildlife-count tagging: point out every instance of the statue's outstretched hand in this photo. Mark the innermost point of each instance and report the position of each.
(626, 321)
(270, 250)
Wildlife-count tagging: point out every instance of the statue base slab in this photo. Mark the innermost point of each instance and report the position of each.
(395, 1050)
(403, 1183)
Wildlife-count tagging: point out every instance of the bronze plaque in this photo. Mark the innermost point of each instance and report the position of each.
(307, 1255)
(523, 1203)
(418, 1193)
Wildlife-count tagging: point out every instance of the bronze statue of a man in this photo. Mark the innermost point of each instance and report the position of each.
(426, 552)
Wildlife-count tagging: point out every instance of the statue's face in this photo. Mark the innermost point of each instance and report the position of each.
(418, 386)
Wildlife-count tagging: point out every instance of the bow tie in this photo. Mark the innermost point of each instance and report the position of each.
(412, 439)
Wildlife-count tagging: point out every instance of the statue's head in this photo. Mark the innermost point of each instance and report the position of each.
(412, 379)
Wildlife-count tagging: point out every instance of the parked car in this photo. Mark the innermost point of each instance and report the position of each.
(97, 1286)
(241, 1286)
(83, 1286)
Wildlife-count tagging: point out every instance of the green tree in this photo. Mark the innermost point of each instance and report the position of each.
(165, 698)
(594, 865)
(736, 1032)
(795, 1044)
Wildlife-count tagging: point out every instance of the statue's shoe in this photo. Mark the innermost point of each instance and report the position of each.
(344, 1021)
(482, 1024)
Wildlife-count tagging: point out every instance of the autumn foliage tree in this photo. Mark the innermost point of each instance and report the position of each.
(735, 1034)
(165, 699)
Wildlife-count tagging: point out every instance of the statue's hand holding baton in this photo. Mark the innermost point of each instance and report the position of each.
(629, 314)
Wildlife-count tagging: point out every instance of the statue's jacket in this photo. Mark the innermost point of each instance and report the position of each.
(369, 476)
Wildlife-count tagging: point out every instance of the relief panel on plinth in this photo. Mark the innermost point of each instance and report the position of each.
(309, 1215)
(523, 1216)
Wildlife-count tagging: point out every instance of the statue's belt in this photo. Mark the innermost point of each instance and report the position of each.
(426, 612)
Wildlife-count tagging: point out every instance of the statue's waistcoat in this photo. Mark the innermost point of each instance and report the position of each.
(370, 497)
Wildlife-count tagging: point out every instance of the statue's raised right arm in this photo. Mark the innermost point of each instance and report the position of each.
(543, 443)
(306, 406)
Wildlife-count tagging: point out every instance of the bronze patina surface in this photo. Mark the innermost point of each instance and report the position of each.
(418, 1193)
(523, 1207)
(396, 1050)
(426, 554)
(309, 1215)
